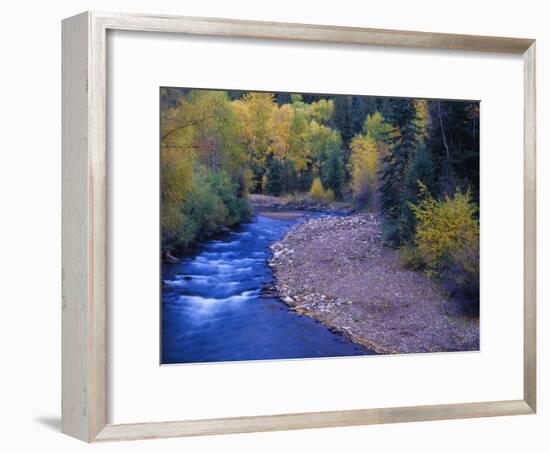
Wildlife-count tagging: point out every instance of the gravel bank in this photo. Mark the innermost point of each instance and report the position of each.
(336, 270)
(266, 203)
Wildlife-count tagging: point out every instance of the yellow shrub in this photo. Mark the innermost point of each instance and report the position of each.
(447, 231)
(318, 193)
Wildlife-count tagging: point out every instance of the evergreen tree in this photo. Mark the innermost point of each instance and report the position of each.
(343, 117)
(332, 172)
(453, 137)
(235, 94)
(361, 107)
(384, 106)
(311, 98)
(290, 178)
(274, 184)
(282, 98)
(420, 170)
(170, 97)
(402, 141)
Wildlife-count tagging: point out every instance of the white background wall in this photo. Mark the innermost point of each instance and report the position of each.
(30, 193)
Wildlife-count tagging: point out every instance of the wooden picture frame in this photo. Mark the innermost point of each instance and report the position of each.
(84, 351)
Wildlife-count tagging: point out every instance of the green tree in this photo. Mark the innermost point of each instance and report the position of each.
(343, 117)
(376, 127)
(420, 169)
(274, 182)
(332, 172)
(402, 142)
(453, 137)
(322, 141)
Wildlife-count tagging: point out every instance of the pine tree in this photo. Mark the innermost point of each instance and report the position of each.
(282, 98)
(274, 184)
(420, 170)
(343, 117)
(402, 141)
(361, 108)
(453, 137)
(333, 172)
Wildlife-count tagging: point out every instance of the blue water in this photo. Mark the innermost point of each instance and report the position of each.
(212, 309)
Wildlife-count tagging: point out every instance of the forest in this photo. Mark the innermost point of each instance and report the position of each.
(413, 162)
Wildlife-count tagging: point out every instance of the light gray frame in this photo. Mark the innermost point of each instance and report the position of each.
(84, 352)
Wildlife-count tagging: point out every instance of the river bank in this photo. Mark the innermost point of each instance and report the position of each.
(336, 270)
(280, 208)
(297, 204)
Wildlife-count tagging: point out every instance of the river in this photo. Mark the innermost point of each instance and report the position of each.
(213, 309)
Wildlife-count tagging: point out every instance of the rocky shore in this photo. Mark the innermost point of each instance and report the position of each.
(336, 270)
(266, 203)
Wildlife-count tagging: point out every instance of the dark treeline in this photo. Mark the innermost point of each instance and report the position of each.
(414, 161)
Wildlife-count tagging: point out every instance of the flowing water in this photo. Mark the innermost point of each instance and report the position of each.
(213, 308)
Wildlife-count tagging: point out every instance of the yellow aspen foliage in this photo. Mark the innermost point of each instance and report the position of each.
(447, 231)
(253, 112)
(322, 110)
(203, 167)
(318, 193)
(177, 175)
(279, 130)
(300, 148)
(200, 108)
(376, 128)
(363, 165)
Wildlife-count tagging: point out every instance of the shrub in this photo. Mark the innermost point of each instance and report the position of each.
(411, 258)
(211, 203)
(236, 209)
(318, 193)
(463, 271)
(329, 195)
(447, 237)
(202, 213)
(390, 232)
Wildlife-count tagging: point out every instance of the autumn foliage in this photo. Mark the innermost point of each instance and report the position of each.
(318, 193)
(447, 236)
(217, 148)
(413, 162)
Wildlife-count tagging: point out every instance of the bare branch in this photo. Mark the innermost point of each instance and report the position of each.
(443, 130)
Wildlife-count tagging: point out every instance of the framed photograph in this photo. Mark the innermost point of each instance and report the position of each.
(271, 226)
